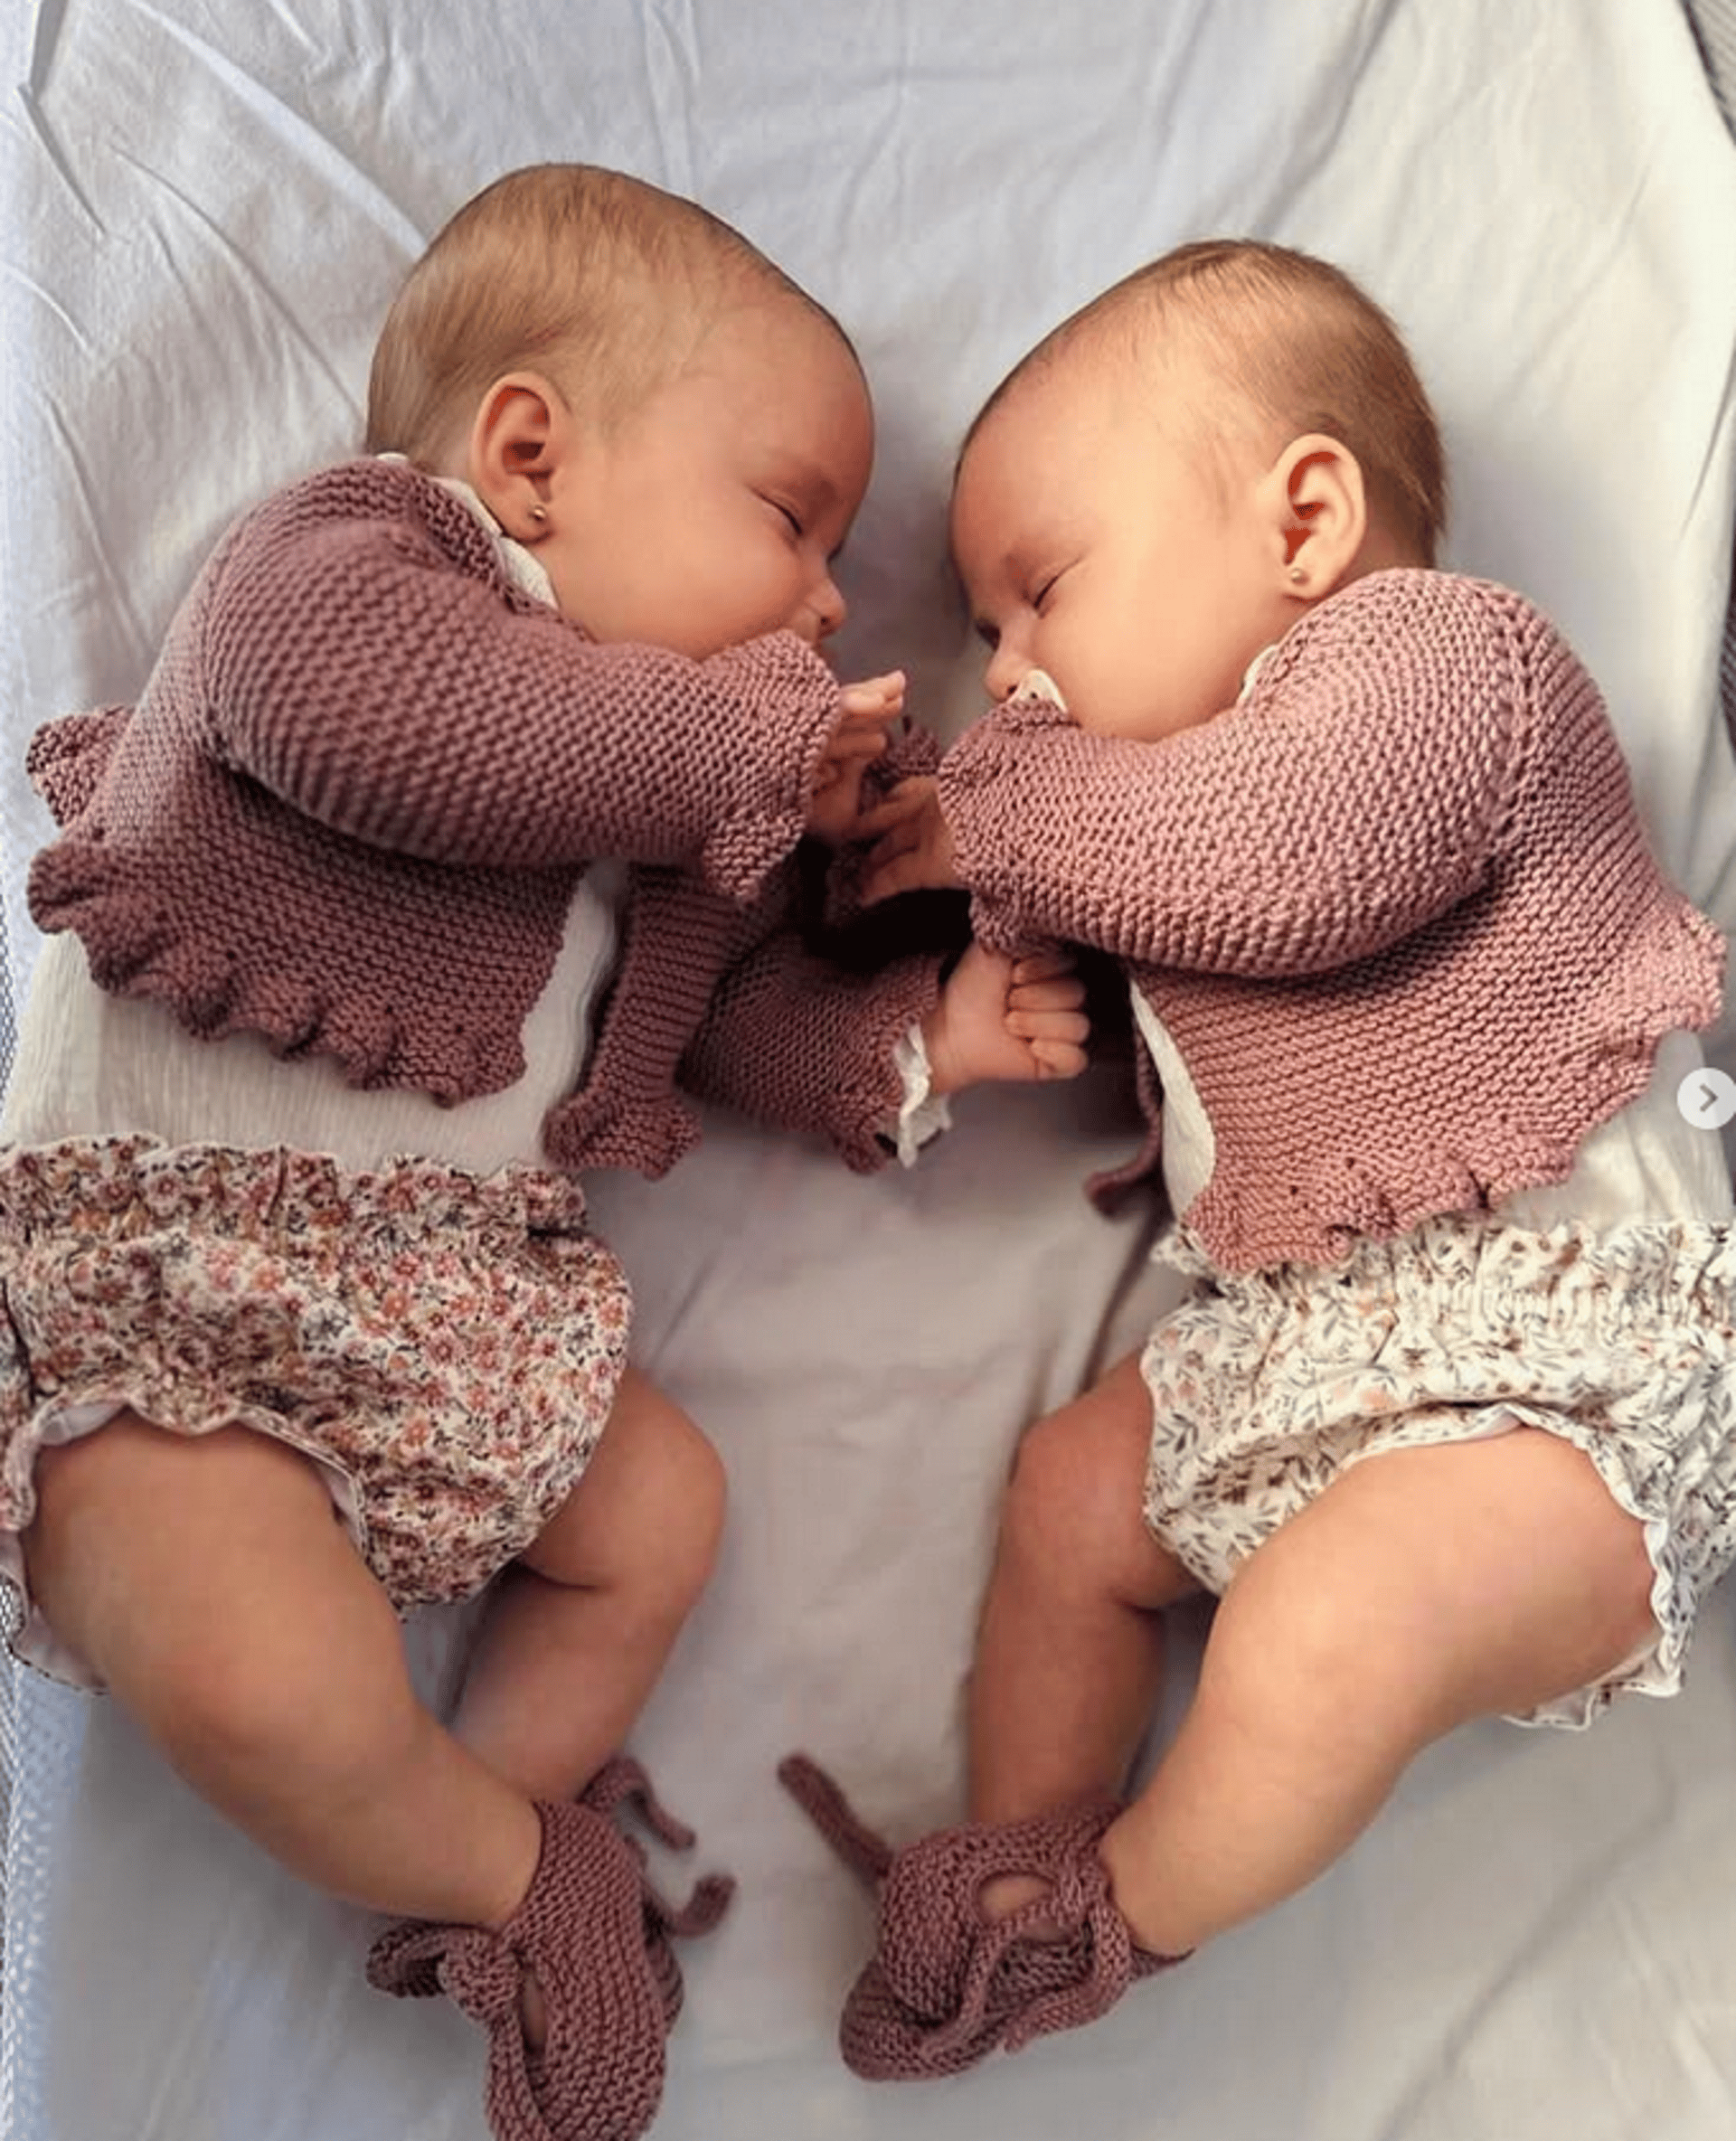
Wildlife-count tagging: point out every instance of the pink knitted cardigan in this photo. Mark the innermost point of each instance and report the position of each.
(366, 775)
(1396, 910)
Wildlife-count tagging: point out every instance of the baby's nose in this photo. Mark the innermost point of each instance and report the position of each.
(830, 609)
(1006, 666)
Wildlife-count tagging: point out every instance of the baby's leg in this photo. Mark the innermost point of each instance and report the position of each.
(1070, 1650)
(577, 1630)
(1424, 1588)
(207, 1581)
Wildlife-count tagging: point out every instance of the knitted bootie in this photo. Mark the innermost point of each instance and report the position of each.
(948, 1985)
(622, 1782)
(584, 1931)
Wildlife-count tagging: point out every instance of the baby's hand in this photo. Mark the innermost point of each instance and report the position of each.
(867, 713)
(1009, 1019)
(912, 848)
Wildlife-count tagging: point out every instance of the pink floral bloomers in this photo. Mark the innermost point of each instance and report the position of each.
(446, 1346)
(1267, 1385)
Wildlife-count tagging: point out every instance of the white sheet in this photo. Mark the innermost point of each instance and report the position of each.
(204, 212)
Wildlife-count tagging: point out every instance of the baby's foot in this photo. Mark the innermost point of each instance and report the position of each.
(988, 1936)
(1009, 1893)
(569, 1968)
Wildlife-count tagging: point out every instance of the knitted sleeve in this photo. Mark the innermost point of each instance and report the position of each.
(1356, 793)
(793, 1040)
(356, 671)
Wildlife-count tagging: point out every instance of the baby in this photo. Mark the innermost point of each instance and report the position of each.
(453, 833)
(1448, 1420)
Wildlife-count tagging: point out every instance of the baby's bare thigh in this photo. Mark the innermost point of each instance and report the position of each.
(1493, 1576)
(136, 1528)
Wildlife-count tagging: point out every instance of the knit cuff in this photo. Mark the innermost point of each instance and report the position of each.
(788, 700)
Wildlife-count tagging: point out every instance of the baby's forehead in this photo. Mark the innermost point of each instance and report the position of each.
(1086, 390)
(1041, 394)
(777, 329)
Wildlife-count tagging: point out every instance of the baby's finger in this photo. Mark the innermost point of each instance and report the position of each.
(1044, 997)
(897, 874)
(1044, 966)
(1068, 1026)
(1057, 1059)
(856, 740)
(906, 803)
(882, 695)
(898, 840)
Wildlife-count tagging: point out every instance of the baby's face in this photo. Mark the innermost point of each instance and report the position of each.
(713, 512)
(1098, 544)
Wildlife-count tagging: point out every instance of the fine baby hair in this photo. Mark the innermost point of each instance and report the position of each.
(1290, 345)
(602, 281)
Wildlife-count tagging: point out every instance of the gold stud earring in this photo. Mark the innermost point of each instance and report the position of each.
(1297, 573)
(539, 514)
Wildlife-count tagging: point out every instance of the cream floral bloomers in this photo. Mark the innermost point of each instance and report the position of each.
(445, 1346)
(1267, 1385)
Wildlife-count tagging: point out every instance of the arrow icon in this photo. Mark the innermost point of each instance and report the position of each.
(1707, 1098)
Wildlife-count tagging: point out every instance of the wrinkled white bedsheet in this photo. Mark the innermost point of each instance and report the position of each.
(202, 211)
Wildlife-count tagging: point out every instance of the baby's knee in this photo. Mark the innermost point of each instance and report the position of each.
(648, 1512)
(216, 1712)
(698, 1500)
(1075, 1502)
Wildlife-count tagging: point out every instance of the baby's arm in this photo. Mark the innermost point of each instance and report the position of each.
(360, 673)
(1219, 849)
(794, 1040)
(1331, 816)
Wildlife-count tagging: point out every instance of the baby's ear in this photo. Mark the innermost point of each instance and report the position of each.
(516, 442)
(1317, 506)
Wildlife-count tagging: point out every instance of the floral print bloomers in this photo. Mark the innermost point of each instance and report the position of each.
(1265, 1385)
(445, 1346)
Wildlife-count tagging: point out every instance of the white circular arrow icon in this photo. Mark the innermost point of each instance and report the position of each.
(1707, 1098)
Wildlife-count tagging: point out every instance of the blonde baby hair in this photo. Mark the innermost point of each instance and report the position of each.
(1304, 347)
(604, 283)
